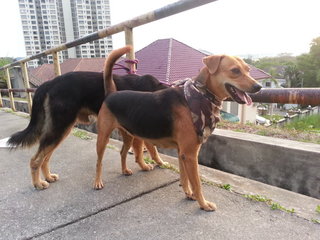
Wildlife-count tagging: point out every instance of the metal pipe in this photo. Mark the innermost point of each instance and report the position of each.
(305, 96)
(18, 90)
(157, 14)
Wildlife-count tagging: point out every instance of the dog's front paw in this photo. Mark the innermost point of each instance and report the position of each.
(164, 164)
(147, 167)
(190, 196)
(209, 206)
(127, 172)
(52, 178)
(41, 185)
(98, 184)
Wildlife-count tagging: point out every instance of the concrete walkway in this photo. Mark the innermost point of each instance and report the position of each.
(146, 205)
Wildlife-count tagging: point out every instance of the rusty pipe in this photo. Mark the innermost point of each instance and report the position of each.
(305, 96)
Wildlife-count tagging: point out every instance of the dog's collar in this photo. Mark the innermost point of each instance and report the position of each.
(205, 111)
(206, 93)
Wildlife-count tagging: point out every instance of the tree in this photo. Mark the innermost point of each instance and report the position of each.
(293, 76)
(275, 65)
(306, 65)
(309, 64)
(3, 77)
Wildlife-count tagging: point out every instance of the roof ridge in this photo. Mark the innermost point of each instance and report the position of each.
(169, 61)
(189, 46)
(75, 68)
(260, 70)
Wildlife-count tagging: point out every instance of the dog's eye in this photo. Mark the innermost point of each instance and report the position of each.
(235, 70)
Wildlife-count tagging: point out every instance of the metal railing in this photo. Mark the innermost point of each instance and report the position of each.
(287, 95)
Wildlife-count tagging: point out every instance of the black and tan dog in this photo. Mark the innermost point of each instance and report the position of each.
(168, 118)
(60, 103)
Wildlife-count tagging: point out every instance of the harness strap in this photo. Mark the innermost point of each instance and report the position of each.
(130, 70)
(204, 107)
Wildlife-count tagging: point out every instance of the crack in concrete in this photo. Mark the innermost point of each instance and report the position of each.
(99, 211)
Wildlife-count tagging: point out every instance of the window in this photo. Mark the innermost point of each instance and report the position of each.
(268, 84)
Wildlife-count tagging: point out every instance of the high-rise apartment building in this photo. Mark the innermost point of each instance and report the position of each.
(48, 23)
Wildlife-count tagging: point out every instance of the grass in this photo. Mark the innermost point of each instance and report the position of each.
(310, 123)
(226, 187)
(315, 220)
(81, 134)
(308, 134)
(110, 146)
(148, 160)
(318, 209)
(273, 205)
(273, 118)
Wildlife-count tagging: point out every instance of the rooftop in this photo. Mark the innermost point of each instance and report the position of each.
(166, 59)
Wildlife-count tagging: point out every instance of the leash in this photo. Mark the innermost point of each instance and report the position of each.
(130, 70)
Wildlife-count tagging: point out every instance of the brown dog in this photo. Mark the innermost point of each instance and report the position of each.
(176, 117)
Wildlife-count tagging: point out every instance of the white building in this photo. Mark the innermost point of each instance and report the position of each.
(48, 23)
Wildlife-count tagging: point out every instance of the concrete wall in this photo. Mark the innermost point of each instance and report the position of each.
(21, 106)
(287, 164)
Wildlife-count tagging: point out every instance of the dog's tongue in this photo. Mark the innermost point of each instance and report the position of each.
(244, 97)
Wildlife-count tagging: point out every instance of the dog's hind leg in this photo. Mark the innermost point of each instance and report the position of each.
(35, 164)
(48, 176)
(137, 146)
(127, 142)
(51, 177)
(105, 125)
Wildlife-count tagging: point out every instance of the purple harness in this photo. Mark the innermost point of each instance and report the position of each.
(204, 107)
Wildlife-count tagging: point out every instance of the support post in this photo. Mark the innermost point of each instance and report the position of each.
(12, 104)
(129, 41)
(243, 114)
(56, 64)
(1, 103)
(26, 84)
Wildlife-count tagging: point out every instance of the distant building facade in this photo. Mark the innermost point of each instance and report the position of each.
(48, 23)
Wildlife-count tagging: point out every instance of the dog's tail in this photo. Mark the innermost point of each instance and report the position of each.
(109, 85)
(31, 134)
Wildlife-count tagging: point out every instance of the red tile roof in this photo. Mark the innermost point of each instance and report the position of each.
(45, 72)
(166, 59)
(258, 74)
(169, 60)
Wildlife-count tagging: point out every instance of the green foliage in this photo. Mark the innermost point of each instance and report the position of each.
(309, 65)
(293, 75)
(269, 202)
(148, 160)
(81, 134)
(315, 220)
(274, 65)
(3, 78)
(226, 187)
(318, 209)
(300, 71)
(273, 118)
(310, 123)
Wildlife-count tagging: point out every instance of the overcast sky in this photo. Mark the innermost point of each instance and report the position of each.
(235, 27)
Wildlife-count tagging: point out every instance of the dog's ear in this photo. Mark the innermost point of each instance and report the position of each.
(212, 62)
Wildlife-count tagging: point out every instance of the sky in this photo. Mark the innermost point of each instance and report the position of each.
(234, 27)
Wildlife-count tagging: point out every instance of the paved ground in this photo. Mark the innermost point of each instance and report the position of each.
(146, 205)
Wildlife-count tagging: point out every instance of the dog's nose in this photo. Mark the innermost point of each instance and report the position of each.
(256, 87)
